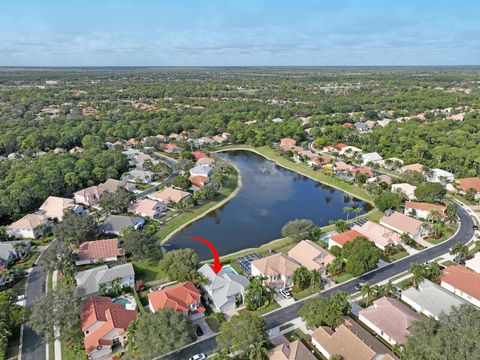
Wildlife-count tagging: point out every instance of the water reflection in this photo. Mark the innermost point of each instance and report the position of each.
(270, 197)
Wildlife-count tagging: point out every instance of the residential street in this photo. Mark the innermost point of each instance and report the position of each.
(33, 348)
(289, 313)
(171, 164)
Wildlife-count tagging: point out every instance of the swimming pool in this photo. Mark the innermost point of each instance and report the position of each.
(229, 269)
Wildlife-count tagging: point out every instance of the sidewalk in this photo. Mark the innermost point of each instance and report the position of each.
(57, 344)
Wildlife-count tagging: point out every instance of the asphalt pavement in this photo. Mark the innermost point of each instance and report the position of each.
(286, 314)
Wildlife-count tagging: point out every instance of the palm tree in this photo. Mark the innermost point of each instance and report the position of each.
(418, 273)
(407, 239)
(460, 250)
(258, 351)
(451, 212)
(347, 209)
(437, 230)
(434, 216)
(367, 291)
(316, 279)
(389, 289)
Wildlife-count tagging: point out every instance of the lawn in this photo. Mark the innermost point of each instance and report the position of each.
(193, 212)
(448, 233)
(307, 171)
(342, 277)
(304, 293)
(68, 354)
(395, 257)
(273, 306)
(140, 186)
(148, 270)
(275, 245)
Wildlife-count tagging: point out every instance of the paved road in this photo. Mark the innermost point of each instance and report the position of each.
(289, 313)
(171, 163)
(33, 347)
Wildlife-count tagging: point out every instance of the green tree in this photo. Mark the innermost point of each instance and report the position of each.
(258, 351)
(460, 250)
(11, 317)
(182, 182)
(139, 244)
(180, 264)
(299, 229)
(388, 200)
(59, 256)
(301, 279)
(76, 228)
(116, 201)
(454, 336)
(66, 302)
(430, 192)
(155, 334)
(241, 333)
(325, 311)
(362, 255)
(257, 295)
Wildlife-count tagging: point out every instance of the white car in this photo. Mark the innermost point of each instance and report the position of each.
(286, 294)
(198, 357)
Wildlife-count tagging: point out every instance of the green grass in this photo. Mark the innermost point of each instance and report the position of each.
(405, 284)
(148, 270)
(68, 354)
(448, 234)
(51, 351)
(304, 293)
(395, 257)
(307, 171)
(191, 213)
(276, 245)
(285, 326)
(144, 186)
(274, 305)
(27, 264)
(342, 277)
(213, 324)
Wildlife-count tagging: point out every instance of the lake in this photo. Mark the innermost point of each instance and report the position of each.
(270, 197)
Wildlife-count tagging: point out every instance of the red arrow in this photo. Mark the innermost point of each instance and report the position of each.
(216, 267)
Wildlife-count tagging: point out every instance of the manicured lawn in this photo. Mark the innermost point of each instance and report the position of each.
(448, 233)
(307, 171)
(304, 293)
(148, 270)
(276, 245)
(27, 264)
(343, 277)
(274, 305)
(143, 186)
(191, 213)
(395, 257)
(405, 284)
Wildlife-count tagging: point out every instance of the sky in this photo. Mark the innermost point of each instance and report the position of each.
(239, 32)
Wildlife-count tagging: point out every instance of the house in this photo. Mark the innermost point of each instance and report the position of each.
(295, 350)
(139, 176)
(53, 207)
(361, 126)
(147, 208)
(198, 155)
(362, 170)
(277, 120)
(342, 238)
(350, 341)
(205, 161)
(350, 151)
(338, 148)
(115, 223)
(92, 279)
(183, 297)
(278, 269)
(9, 251)
(310, 255)
(387, 179)
(201, 170)
(406, 189)
(90, 252)
(422, 210)
(170, 195)
(112, 185)
(380, 235)
(402, 223)
(342, 166)
(225, 289)
(28, 227)
(372, 157)
(170, 148)
(390, 319)
(89, 196)
(104, 325)
(287, 143)
(412, 167)
(441, 176)
(474, 263)
(462, 282)
(467, 184)
(198, 182)
(431, 299)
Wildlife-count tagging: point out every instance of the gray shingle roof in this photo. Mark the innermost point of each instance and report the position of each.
(115, 223)
(91, 279)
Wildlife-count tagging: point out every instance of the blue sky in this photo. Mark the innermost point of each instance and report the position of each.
(239, 32)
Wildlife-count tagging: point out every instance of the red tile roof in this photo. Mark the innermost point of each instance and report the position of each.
(198, 155)
(362, 170)
(463, 279)
(425, 207)
(99, 249)
(198, 180)
(178, 297)
(342, 238)
(110, 316)
(169, 147)
(470, 183)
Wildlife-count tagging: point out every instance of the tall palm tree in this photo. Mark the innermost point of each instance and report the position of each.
(367, 292)
(316, 279)
(460, 250)
(258, 351)
(434, 216)
(389, 289)
(418, 273)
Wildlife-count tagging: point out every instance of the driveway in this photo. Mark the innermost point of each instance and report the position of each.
(207, 332)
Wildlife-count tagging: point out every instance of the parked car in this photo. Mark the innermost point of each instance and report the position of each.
(198, 330)
(198, 357)
(285, 293)
(359, 286)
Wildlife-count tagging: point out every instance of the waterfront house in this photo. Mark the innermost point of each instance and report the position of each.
(310, 255)
(170, 195)
(278, 269)
(379, 234)
(287, 143)
(405, 189)
(201, 170)
(342, 238)
(422, 210)
(147, 208)
(402, 223)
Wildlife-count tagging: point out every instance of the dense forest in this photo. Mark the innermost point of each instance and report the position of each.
(45, 109)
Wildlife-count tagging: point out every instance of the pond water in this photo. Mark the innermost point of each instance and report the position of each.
(270, 197)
